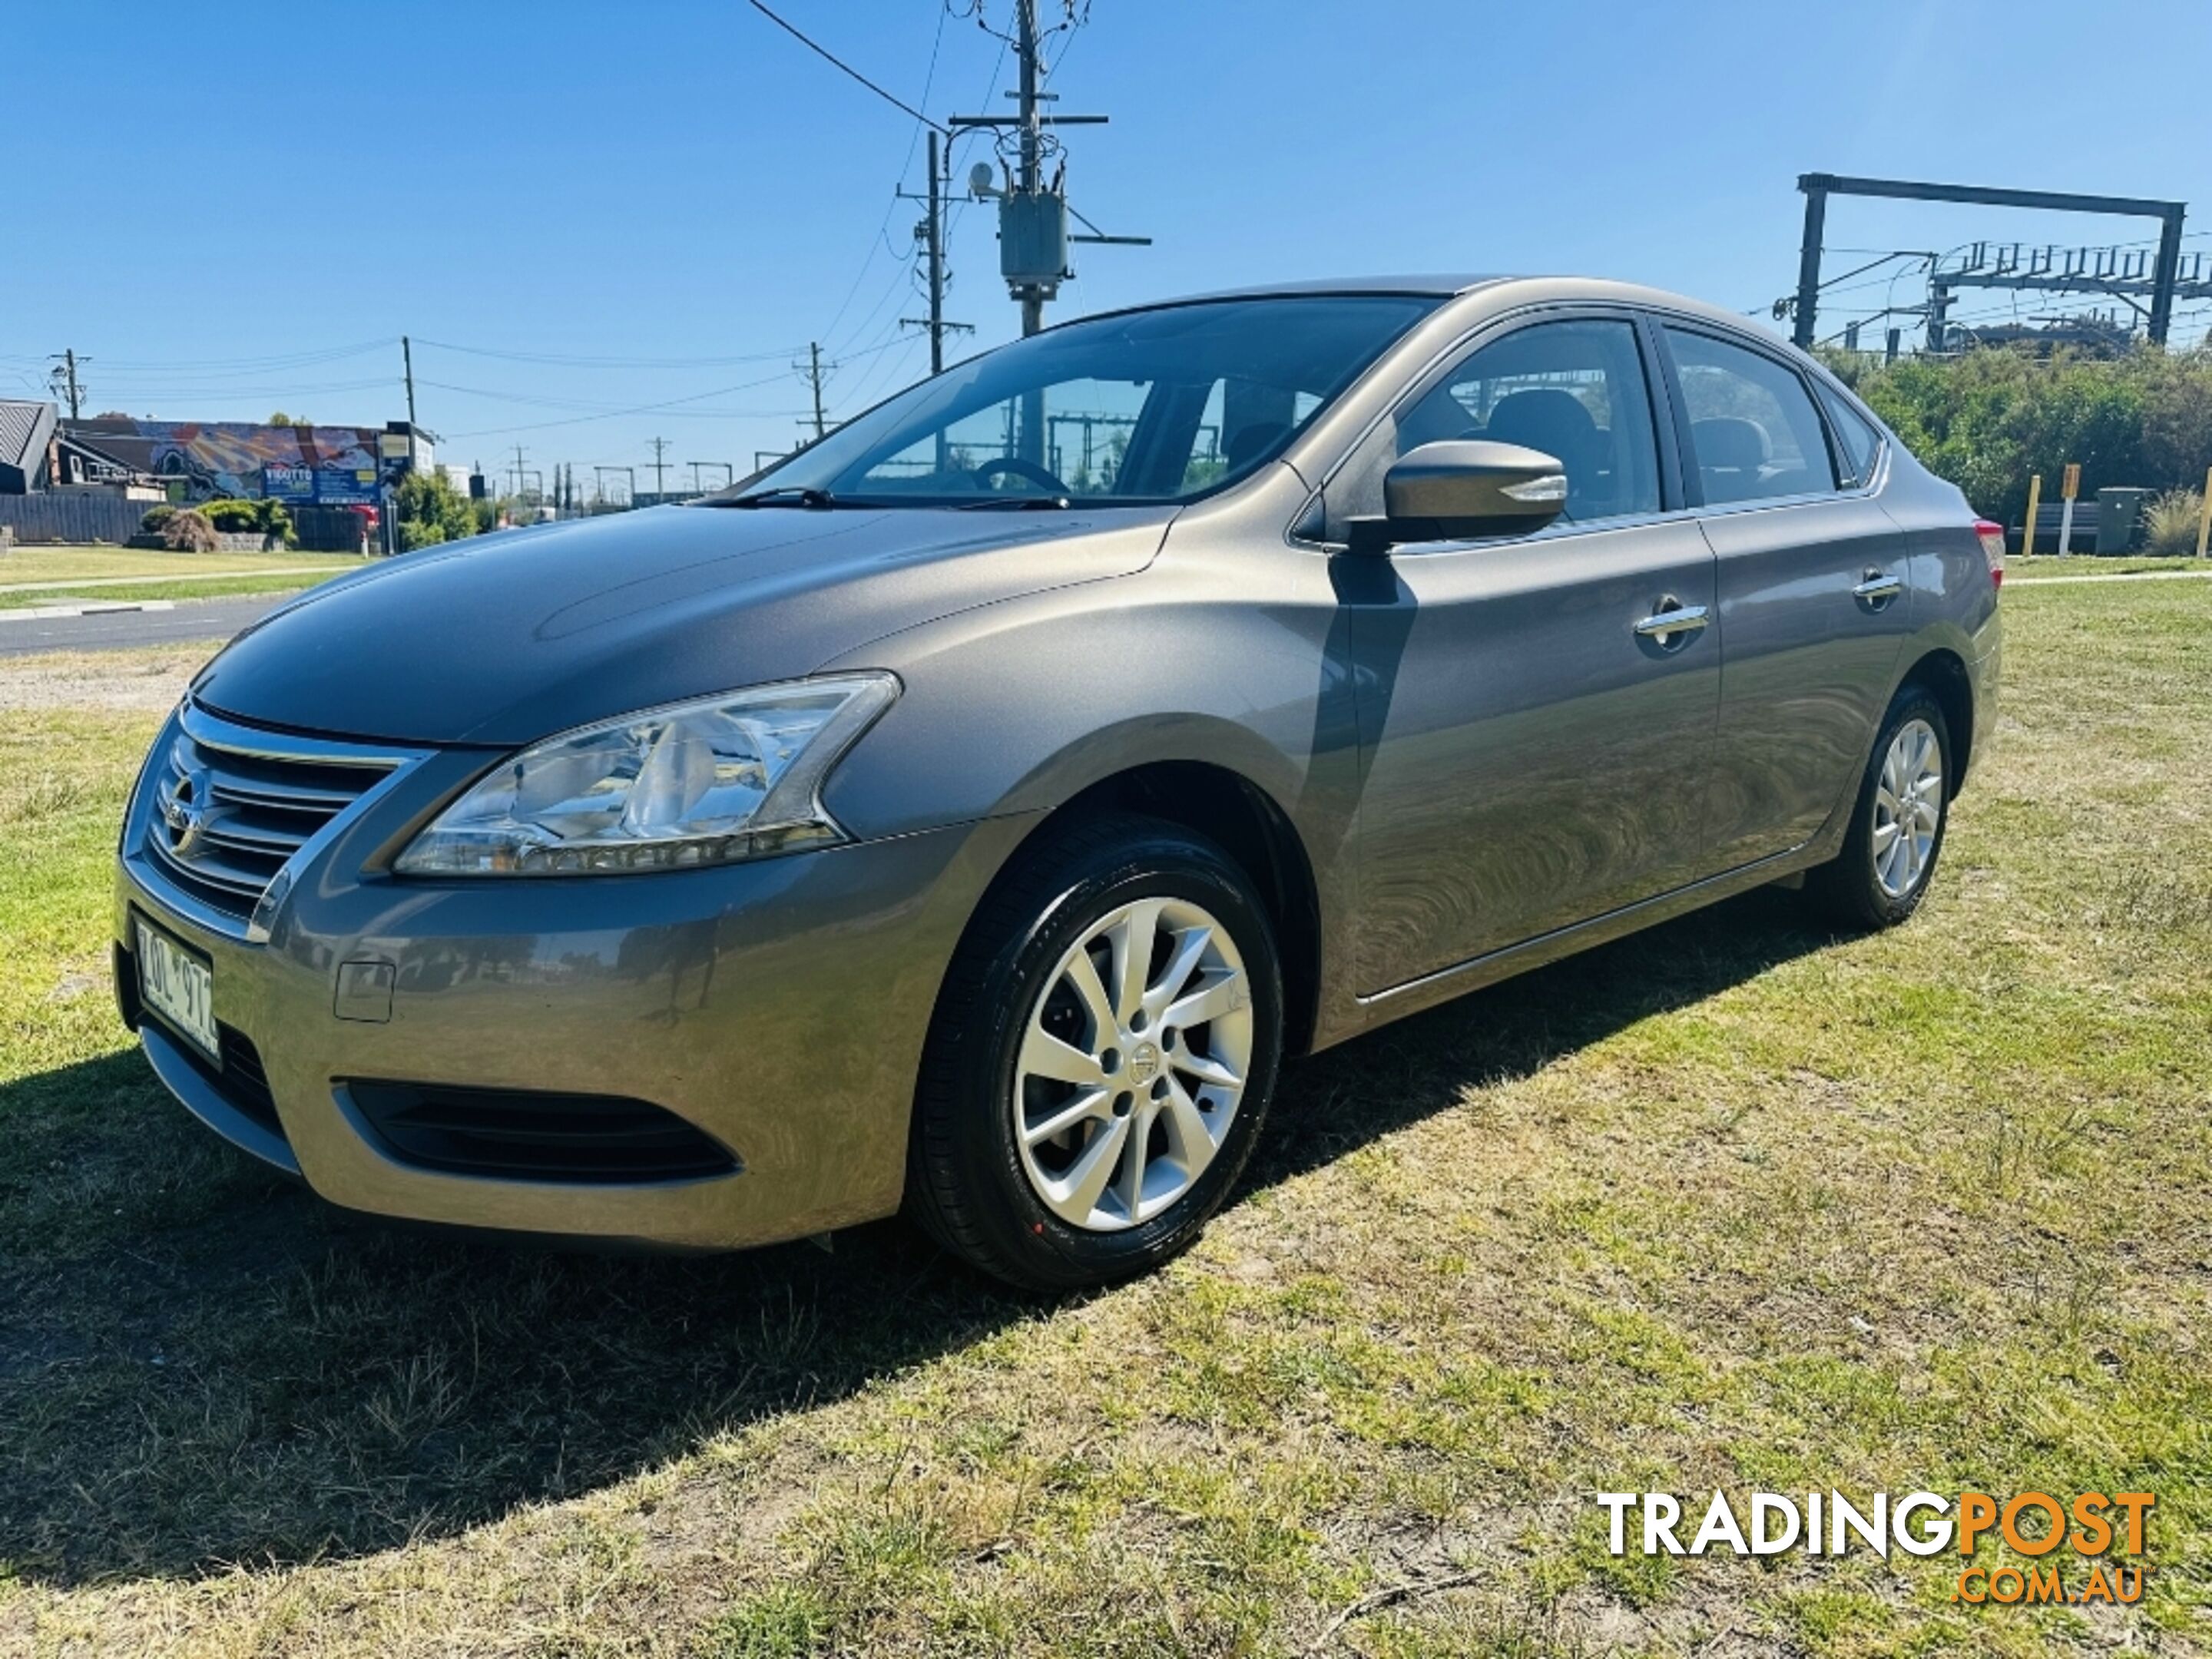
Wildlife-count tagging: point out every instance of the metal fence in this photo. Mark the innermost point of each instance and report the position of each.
(70, 515)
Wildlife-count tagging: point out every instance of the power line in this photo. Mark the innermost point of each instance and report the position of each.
(830, 57)
(217, 367)
(673, 406)
(565, 361)
(599, 415)
(131, 391)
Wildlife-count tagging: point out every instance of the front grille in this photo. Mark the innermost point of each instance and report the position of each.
(231, 805)
(527, 1135)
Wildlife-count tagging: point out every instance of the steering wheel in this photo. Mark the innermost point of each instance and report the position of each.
(997, 465)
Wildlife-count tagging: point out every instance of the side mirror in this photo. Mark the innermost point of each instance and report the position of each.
(1458, 490)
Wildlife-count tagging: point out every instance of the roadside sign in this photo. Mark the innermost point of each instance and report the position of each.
(287, 483)
(2071, 486)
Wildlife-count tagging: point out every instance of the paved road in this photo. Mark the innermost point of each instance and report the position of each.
(189, 619)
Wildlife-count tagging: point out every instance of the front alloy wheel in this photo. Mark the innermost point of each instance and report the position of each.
(1132, 1064)
(1103, 1051)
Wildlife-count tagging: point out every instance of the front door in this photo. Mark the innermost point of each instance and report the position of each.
(1537, 730)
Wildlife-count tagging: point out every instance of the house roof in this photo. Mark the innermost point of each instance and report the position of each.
(115, 444)
(107, 449)
(24, 429)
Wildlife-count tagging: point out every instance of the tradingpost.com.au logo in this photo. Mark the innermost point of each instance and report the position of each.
(2033, 1524)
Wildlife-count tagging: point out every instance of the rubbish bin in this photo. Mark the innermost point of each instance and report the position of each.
(2118, 508)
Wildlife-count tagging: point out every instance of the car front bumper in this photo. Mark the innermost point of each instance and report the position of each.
(780, 1006)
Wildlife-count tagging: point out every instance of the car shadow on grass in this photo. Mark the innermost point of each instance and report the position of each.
(201, 1364)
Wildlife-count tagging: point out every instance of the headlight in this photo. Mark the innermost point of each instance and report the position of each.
(706, 782)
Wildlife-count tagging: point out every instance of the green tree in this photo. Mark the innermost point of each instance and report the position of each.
(430, 510)
(1989, 419)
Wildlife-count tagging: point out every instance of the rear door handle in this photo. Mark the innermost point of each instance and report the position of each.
(1877, 590)
(1665, 626)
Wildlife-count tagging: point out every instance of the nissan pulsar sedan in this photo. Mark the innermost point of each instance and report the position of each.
(971, 814)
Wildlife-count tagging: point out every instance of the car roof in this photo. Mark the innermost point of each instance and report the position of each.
(1441, 285)
(1448, 286)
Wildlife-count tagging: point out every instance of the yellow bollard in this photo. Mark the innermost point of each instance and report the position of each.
(2034, 501)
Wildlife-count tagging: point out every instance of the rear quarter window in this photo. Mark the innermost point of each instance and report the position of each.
(1858, 444)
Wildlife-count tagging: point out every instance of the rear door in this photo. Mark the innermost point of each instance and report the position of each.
(1534, 759)
(1814, 605)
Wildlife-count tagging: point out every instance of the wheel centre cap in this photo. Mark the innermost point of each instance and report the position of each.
(1143, 1063)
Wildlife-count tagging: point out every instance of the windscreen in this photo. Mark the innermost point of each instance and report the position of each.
(1145, 406)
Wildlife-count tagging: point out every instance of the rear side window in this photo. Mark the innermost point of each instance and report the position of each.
(1573, 390)
(1754, 431)
(1858, 443)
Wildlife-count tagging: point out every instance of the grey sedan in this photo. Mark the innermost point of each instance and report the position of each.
(972, 813)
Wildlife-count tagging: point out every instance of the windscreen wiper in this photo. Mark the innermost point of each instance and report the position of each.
(784, 496)
(1016, 503)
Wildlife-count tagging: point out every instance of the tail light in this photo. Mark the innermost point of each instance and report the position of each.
(1992, 539)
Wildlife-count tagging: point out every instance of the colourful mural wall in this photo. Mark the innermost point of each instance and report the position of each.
(332, 464)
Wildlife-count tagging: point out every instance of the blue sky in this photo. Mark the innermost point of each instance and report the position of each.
(683, 196)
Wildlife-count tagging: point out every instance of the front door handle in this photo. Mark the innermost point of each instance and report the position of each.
(1673, 624)
(1878, 589)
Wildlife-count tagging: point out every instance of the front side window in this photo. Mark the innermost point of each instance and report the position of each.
(1145, 406)
(1754, 433)
(1574, 390)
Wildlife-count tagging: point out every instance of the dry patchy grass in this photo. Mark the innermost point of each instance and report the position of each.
(1735, 1203)
(27, 565)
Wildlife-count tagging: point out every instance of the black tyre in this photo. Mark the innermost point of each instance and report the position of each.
(1104, 1053)
(1904, 806)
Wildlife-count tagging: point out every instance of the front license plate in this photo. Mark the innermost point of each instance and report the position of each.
(177, 986)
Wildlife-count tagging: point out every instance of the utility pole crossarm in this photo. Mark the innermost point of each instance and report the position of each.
(1983, 196)
(1015, 120)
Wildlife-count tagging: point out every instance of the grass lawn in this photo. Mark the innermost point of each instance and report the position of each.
(1733, 1203)
(46, 576)
(2044, 565)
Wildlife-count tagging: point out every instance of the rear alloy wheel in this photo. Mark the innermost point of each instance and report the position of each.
(1908, 809)
(1897, 821)
(1104, 1053)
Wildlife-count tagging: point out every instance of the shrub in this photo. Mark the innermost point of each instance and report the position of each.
(233, 517)
(1989, 418)
(186, 530)
(245, 517)
(2170, 523)
(155, 518)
